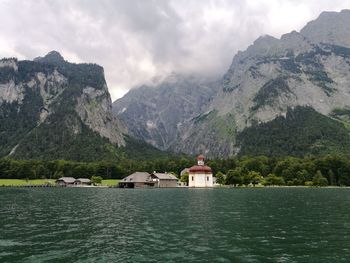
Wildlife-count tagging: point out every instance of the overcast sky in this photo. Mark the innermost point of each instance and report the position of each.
(136, 40)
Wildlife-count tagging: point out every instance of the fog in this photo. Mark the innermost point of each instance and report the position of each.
(137, 40)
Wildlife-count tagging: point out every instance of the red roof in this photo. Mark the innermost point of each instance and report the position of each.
(200, 169)
(200, 157)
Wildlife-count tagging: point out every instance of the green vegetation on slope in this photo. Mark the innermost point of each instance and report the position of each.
(18, 119)
(342, 114)
(270, 91)
(303, 131)
(211, 131)
(222, 127)
(58, 140)
(139, 150)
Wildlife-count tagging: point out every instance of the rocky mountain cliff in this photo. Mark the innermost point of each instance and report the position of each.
(156, 113)
(52, 109)
(304, 74)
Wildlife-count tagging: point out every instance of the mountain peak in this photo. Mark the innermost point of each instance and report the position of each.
(329, 27)
(51, 57)
(54, 55)
(327, 14)
(265, 40)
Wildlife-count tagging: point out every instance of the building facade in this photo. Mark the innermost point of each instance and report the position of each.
(164, 180)
(200, 175)
(146, 180)
(82, 181)
(70, 181)
(65, 181)
(137, 180)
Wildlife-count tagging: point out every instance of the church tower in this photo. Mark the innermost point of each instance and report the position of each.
(200, 175)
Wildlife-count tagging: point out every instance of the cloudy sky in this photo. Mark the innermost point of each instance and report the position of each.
(137, 40)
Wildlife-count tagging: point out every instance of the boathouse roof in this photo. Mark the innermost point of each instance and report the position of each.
(165, 176)
(137, 177)
(83, 180)
(67, 180)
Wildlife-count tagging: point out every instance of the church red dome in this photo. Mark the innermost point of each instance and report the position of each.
(200, 169)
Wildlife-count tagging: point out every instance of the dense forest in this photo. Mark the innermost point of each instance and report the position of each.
(327, 170)
(303, 131)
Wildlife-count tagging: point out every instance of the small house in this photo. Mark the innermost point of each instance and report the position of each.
(65, 181)
(164, 179)
(83, 181)
(137, 180)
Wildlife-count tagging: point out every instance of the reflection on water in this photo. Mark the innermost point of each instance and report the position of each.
(174, 225)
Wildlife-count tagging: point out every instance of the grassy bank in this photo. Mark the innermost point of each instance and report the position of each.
(19, 182)
(23, 182)
(110, 182)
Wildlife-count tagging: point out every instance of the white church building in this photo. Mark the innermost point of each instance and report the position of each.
(200, 175)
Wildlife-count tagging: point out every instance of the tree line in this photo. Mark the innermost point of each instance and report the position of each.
(316, 171)
(326, 170)
(40, 169)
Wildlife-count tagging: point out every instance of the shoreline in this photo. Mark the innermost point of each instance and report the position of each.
(51, 183)
(180, 187)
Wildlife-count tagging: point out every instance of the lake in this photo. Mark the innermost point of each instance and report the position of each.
(174, 225)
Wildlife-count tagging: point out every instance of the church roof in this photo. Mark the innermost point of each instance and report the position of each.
(200, 168)
(200, 157)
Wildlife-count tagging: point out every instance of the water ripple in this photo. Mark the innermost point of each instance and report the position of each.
(174, 225)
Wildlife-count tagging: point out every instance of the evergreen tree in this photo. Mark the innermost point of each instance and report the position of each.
(220, 178)
(319, 179)
(234, 177)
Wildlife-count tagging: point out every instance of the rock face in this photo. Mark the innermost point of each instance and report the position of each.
(95, 110)
(50, 108)
(158, 113)
(272, 77)
(330, 27)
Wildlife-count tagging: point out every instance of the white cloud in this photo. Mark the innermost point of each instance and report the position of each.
(135, 40)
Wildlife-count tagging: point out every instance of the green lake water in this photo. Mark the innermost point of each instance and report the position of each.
(174, 225)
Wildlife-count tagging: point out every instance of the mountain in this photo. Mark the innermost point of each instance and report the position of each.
(156, 113)
(330, 27)
(53, 109)
(298, 83)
